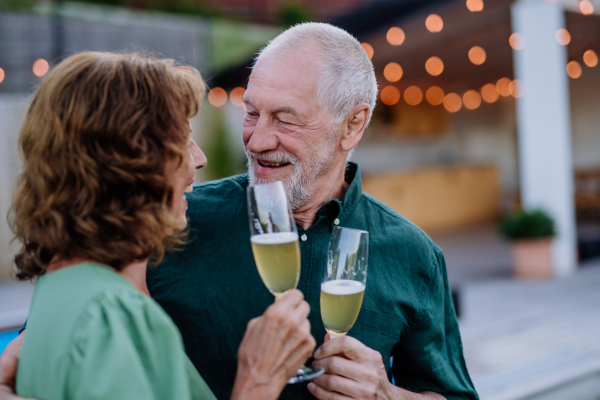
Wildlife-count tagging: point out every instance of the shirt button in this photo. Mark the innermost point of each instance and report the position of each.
(336, 221)
(303, 237)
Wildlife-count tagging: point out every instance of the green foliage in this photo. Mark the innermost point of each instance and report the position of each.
(523, 224)
(18, 5)
(292, 13)
(222, 160)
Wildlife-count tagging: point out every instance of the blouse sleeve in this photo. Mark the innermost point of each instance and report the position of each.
(126, 347)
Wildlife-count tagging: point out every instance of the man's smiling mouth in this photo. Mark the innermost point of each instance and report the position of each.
(269, 164)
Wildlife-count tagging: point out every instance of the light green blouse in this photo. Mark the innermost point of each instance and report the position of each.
(92, 335)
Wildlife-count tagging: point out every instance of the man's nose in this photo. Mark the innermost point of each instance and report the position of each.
(198, 156)
(264, 138)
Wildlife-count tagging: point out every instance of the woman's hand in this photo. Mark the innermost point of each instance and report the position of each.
(274, 347)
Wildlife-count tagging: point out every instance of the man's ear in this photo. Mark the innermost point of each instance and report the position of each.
(355, 127)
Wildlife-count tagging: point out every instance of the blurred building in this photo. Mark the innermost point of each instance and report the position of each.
(484, 105)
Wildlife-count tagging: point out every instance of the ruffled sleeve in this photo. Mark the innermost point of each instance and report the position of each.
(125, 347)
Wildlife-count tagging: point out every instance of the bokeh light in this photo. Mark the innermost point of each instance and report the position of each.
(392, 72)
(390, 95)
(590, 58)
(586, 7)
(236, 96)
(475, 5)
(434, 66)
(1, 75)
(452, 102)
(516, 41)
(395, 36)
(217, 96)
(502, 87)
(489, 93)
(472, 99)
(574, 69)
(434, 23)
(563, 37)
(413, 95)
(477, 55)
(369, 49)
(435, 95)
(40, 67)
(516, 88)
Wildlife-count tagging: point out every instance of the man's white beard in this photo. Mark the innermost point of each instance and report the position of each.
(298, 183)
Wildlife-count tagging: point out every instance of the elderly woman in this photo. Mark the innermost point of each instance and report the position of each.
(107, 158)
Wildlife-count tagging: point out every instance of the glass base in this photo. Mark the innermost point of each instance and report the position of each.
(306, 374)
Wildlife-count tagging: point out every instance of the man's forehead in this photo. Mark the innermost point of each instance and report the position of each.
(293, 75)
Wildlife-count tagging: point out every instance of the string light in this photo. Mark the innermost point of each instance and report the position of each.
(502, 87)
(574, 69)
(477, 55)
(475, 5)
(395, 36)
(452, 102)
(434, 23)
(392, 72)
(369, 49)
(586, 7)
(516, 41)
(236, 95)
(40, 67)
(435, 95)
(217, 96)
(413, 95)
(563, 37)
(472, 99)
(489, 93)
(1, 75)
(590, 58)
(390, 95)
(434, 66)
(516, 88)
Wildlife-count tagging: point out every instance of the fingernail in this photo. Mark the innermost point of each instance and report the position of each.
(311, 387)
(317, 353)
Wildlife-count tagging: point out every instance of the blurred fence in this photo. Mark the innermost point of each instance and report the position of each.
(50, 35)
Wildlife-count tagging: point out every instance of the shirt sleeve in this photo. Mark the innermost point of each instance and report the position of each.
(430, 356)
(124, 348)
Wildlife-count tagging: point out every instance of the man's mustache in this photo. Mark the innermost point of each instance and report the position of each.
(280, 157)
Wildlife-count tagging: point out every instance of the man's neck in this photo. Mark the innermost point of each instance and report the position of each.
(323, 192)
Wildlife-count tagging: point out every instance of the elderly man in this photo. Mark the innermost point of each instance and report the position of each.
(310, 96)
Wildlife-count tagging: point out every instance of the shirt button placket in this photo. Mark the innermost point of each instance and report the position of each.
(304, 237)
(336, 221)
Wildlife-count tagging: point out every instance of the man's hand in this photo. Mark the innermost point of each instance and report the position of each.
(274, 347)
(354, 371)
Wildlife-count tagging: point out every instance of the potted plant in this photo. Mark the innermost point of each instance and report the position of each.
(530, 233)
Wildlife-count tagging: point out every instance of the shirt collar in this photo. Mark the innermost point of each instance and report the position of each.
(342, 209)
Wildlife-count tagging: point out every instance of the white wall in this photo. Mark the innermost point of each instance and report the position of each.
(12, 113)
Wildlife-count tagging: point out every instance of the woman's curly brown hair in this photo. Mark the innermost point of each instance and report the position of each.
(94, 145)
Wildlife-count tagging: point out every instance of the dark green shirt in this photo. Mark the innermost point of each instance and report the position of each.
(212, 289)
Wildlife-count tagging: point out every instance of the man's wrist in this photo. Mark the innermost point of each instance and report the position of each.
(247, 386)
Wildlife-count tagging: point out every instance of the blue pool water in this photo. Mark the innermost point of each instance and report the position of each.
(6, 337)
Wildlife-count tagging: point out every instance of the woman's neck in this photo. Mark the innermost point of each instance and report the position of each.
(134, 273)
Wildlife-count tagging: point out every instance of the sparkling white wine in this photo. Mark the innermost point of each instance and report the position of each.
(341, 300)
(277, 257)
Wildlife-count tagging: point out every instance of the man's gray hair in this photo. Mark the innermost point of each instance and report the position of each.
(347, 77)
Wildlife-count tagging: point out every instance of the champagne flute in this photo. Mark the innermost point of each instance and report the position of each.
(345, 279)
(274, 240)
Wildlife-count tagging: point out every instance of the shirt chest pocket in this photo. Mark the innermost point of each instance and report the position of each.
(378, 331)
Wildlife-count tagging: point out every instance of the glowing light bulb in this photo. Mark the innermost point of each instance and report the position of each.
(395, 36)
(590, 58)
(413, 95)
(452, 102)
(475, 5)
(563, 37)
(502, 87)
(390, 95)
(217, 96)
(434, 66)
(516, 88)
(1, 75)
(516, 41)
(586, 7)
(477, 55)
(435, 95)
(489, 93)
(40, 67)
(392, 72)
(472, 99)
(236, 95)
(434, 23)
(369, 49)
(574, 69)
